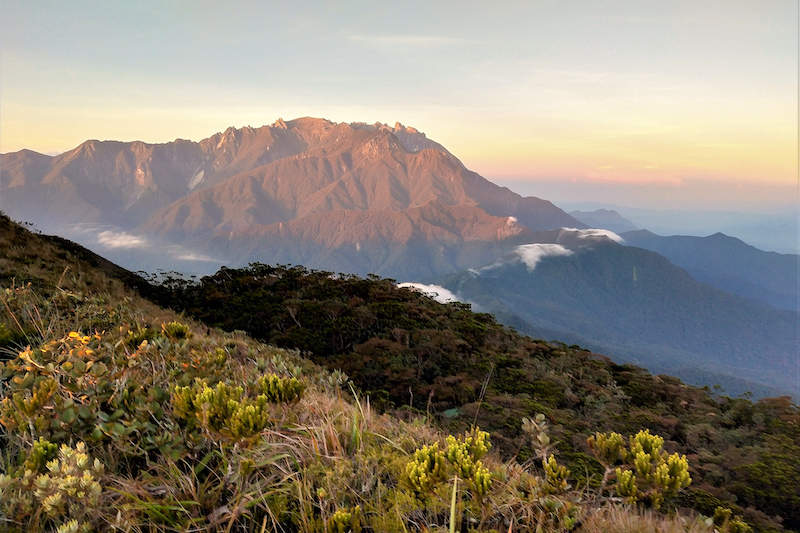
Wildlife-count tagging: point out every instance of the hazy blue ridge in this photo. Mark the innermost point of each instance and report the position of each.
(729, 264)
(635, 305)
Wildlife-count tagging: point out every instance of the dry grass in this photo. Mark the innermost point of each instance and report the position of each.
(625, 519)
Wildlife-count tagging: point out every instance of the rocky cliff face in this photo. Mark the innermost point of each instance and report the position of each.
(390, 184)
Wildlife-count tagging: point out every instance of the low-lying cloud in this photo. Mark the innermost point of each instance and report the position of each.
(437, 292)
(595, 233)
(191, 256)
(531, 254)
(120, 239)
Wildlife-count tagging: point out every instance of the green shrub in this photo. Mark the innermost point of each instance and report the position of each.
(646, 473)
(176, 331)
(66, 495)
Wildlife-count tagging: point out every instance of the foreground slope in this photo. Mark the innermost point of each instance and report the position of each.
(120, 415)
(412, 354)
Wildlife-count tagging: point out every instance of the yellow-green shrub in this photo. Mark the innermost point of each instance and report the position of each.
(280, 390)
(647, 473)
(345, 521)
(226, 410)
(66, 495)
(428, 467)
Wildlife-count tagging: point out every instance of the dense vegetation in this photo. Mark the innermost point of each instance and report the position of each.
(118, 415)
(409, 352)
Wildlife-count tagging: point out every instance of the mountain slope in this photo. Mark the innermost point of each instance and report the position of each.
(416, 355)
(420, 241)
(632, 303)
(398, 340)
(351, 168)
(729, 264)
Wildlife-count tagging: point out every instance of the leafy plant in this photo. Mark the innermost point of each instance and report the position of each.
(647, 472)
(66, 495)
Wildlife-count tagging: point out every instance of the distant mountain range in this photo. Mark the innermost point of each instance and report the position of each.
(582, 287)
(729, 264)
(371, 198)
(605, 219)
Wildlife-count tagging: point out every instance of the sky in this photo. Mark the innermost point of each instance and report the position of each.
(644, 103)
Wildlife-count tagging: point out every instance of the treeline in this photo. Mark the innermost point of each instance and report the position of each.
(412, 354)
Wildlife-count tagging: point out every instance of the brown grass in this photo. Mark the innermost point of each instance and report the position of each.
(631, 520)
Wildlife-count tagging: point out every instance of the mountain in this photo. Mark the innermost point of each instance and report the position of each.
(244, 183)
(420, 241)
(729, 264)
(604, 219)
(635, 305)
(346, 168)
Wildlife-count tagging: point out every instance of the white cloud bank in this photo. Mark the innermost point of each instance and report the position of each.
(120, 239)
(531, 254)
(437, 292)
(191, 256)
(596, 233)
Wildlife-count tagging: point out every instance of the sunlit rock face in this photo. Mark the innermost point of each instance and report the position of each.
(352, 197)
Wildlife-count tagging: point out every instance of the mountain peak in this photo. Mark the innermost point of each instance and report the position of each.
(248, 177)
(604, 219)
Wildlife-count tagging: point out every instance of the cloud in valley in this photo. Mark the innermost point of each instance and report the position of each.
(437, 292)
(192, 256)
(595, 233)
(531, 254)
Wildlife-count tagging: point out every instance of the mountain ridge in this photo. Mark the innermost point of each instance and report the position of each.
(125, 183)
(729, 264)
(637, 305)
(241, 181)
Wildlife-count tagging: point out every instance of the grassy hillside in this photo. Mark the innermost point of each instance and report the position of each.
(412, 354)
(119, 415)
